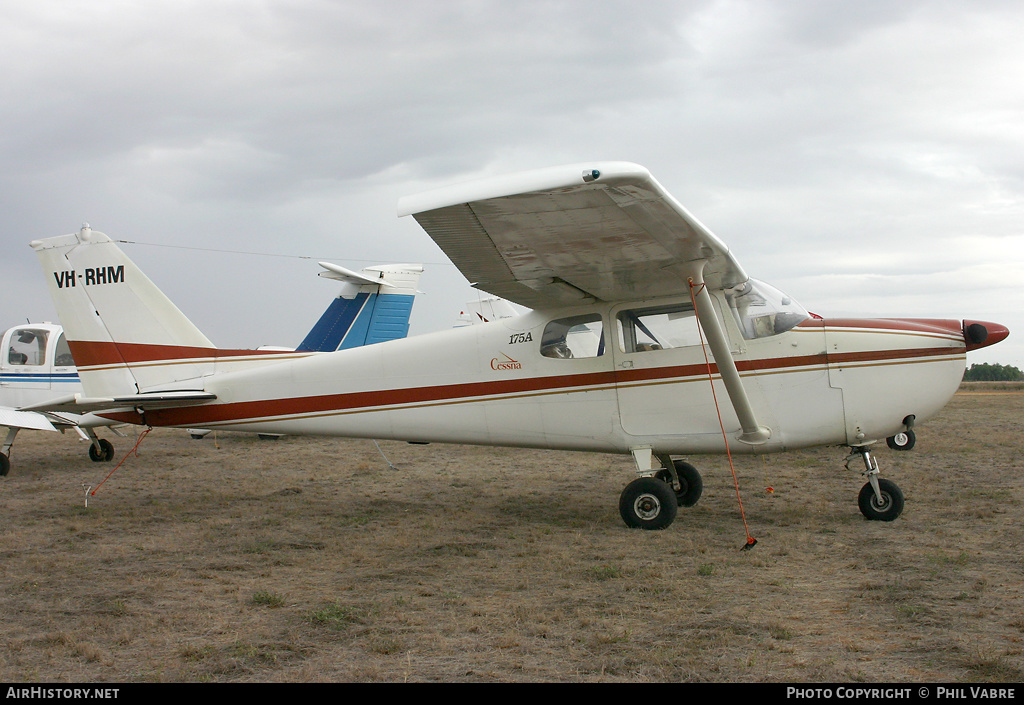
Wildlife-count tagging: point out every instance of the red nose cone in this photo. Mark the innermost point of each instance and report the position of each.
(980, 334)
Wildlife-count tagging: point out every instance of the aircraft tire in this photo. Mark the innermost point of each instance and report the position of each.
(691, 483)
(902, 441)
(5, 465)
(892, 501)
(104, 454)
(694, 485)
(648, 503)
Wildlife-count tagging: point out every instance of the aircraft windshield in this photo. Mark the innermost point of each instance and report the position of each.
(761, 310)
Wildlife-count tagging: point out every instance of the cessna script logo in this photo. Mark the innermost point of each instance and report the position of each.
(91, 277)
(505, 363)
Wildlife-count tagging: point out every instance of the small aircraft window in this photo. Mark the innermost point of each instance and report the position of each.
(658, 328)
(575, 337)
(28, 347)
(761, 310)
(62, 354)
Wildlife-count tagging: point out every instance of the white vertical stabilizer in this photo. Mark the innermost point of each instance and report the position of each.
(125, 335)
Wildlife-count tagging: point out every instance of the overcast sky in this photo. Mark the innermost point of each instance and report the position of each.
(867, 158)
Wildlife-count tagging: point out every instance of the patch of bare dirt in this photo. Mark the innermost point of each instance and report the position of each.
(240, 559)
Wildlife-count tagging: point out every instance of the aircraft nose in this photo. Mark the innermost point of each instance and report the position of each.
(980, 334)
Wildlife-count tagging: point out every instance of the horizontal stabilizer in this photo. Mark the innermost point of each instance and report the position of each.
(24, 419)
(80, 404)
(335, 271)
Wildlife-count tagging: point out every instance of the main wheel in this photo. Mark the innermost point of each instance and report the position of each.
(648, 503)
(902, 441)
(105, 452)
(888, 509)
(5, 465)
(691, 486)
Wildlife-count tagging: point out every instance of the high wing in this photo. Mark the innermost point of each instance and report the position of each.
(553, 237)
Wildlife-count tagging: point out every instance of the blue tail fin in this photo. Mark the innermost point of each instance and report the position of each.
(374, 306)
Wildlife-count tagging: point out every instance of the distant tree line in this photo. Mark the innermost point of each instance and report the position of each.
(985, 372)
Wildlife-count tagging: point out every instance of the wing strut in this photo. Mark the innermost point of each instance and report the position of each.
(753, 432)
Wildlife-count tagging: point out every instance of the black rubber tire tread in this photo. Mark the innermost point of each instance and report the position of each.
(656, 495)
(893, 501)
(911, 441)
(104, 455)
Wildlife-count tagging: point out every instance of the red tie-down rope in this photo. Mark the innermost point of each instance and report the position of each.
(133, 450)
(751, 541)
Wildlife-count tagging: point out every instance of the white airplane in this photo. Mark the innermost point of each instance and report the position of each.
(597, 250)
(36, 366)
(373, 306)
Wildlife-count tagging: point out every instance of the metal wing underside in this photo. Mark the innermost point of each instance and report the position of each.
(617, 237)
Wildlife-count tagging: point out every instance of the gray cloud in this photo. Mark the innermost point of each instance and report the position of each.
(867, 156)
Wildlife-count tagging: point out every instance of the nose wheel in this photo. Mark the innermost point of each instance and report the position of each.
(879, 499)
(885, 504)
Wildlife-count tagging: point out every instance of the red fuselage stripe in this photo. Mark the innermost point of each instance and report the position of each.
(482, 391)
(93, 354)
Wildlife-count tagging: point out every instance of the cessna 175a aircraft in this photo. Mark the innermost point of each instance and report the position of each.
(628, 290)
(37, 366)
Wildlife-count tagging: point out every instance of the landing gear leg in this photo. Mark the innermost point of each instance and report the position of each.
(5, 454)
(879, 500)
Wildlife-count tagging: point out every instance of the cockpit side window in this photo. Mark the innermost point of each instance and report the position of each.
(658, 328)
(28, 347)
(62, 353)
(573, 337)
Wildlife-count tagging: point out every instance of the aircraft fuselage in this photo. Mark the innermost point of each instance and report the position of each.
(625, 385)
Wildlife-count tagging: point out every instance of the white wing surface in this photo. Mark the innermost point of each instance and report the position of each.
(553, 237)
(13, 418)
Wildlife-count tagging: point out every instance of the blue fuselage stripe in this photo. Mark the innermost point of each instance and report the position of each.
(56, 378)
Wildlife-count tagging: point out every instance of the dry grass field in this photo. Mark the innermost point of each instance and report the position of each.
(234, 559)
